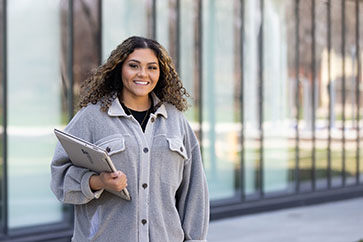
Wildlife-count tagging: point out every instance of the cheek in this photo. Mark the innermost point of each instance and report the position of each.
(123, 76)
(155, 77)
(126, 75)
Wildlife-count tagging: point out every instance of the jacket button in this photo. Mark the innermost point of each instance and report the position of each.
(144, 185)
(152, 119)
(108, 149)
(181, 149)
(144, 221)
(146, 150)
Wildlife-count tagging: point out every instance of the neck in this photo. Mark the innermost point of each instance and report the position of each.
(137, 104)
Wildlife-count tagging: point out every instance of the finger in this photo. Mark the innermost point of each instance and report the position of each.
(114, 174)
(123, 179)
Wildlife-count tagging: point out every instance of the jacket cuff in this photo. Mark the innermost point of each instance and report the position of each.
(85, 188)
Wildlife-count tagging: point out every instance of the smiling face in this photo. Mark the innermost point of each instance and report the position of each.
(140, 74)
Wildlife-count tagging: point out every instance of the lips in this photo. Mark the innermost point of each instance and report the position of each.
(141, 82)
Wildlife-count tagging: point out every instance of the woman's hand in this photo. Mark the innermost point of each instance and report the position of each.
(115, 181)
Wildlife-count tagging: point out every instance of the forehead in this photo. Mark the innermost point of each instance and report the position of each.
(143, 55)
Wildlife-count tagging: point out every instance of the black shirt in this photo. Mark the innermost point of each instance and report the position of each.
(141, 117)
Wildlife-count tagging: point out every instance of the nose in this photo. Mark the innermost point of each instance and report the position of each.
(142, 71)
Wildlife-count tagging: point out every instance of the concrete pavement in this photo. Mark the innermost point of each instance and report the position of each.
(340, 221)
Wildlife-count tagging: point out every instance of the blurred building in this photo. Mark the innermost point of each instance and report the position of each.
(276, 97)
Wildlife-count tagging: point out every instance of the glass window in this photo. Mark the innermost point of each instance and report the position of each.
(162, 22)
(221, 116)
(252, 131)
(336, 93)
(306, 97)
(86, 41)
(279, 135)
(189, 52)
(122, 19)
(34, 109)
(350, 94)
(322, 95)
(166, 26)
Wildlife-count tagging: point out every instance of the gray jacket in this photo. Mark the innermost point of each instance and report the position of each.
(164, 171)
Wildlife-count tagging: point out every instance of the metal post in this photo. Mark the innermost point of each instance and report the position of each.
(154, 15)
(4, 182)
(100, 29)
(343, 93)
(260, 91)
(178, 59)
(70, 59)
(200, 70)
(357, 96)
(330, 96)
(297, 99)
(242, 160)
(313, 102)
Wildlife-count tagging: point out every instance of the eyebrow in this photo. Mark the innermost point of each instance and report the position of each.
(140, 62)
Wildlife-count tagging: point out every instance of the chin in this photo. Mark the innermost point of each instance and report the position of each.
(142, 94)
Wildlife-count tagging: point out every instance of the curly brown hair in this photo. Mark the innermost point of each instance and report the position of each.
(104, 85)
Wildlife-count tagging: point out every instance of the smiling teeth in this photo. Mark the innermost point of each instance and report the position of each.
(142, 83)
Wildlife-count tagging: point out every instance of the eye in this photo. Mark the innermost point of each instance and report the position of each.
(153, 67)
(133, 65)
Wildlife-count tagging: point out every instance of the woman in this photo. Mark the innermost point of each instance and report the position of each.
(132, 107)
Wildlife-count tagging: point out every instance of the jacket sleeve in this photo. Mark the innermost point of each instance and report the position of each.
(69, 183)
(193, 200)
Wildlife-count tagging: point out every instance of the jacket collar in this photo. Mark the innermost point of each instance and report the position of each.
(117, 110)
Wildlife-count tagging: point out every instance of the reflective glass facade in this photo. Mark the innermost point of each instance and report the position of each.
(121, 19)
(220, 104)
(275, 93)
(34, 108)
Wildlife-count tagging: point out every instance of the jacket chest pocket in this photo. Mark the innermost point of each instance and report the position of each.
(114, 146)
(172, 162)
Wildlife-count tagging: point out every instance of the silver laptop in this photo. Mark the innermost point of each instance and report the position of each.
(87, 155)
